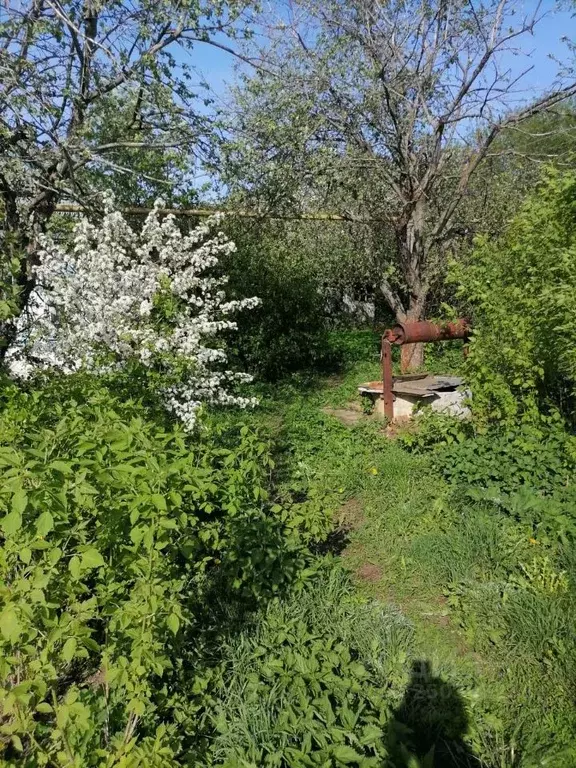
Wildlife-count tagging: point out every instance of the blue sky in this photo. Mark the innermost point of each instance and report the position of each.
(218, 66)
(547, 40)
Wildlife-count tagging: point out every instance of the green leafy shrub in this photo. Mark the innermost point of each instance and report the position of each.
(113, 527)
(313, 683)
(521, 293)
(433, 430)
(288, 330)
(353, 346)
(528, 472)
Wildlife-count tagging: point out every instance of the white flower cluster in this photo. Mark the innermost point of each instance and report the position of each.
(117, 295)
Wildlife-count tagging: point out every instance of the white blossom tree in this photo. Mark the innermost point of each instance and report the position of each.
(90, 90)
(115, 296)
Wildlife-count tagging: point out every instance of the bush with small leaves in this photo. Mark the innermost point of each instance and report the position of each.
(110, 527)
(521, 293)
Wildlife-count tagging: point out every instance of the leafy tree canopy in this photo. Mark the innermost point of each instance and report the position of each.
(386, 112)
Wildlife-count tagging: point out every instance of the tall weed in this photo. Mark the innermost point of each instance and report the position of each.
(113, 530)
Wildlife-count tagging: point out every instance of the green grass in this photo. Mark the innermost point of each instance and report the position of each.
(321, 669)
(491, 615)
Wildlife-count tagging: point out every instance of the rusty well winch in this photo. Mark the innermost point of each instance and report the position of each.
(407, 390)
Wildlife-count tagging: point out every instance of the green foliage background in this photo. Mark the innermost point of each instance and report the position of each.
(114, 527)
(280, 589)
(521, 290)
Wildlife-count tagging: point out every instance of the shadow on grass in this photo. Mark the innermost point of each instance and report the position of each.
(334, 544)
(431, 718)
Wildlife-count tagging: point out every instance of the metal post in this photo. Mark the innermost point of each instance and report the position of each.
(387, 395)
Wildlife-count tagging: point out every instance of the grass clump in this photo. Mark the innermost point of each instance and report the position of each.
(313, 681)
(329, 678)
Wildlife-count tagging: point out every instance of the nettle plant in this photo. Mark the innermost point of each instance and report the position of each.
(116, 296)
(115, 531)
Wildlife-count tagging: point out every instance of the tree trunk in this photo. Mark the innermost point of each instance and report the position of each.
(21, 242)
(413, 259)
(412, 355)
(409, 304)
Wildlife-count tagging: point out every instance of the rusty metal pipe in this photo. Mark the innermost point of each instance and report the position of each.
(387, 379)
(425, 331)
